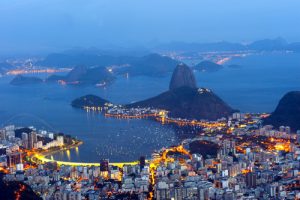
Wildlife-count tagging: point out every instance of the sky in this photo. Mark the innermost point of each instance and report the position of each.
(53, 25)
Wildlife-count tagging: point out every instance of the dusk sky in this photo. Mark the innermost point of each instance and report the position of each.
(40, 25)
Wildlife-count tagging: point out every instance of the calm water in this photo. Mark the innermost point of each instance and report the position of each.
(256, 87)
(259, 85)
(48, 107)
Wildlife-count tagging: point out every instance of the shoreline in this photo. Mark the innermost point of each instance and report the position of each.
(41, 158)
(46, 153)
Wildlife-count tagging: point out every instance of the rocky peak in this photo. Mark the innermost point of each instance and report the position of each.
(182, 76)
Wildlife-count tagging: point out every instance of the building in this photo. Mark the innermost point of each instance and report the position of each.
(298, 137)
(251, 180)
(2, 135)
(32, 139)
(142, 162)
(104, 168)
(25, 140)
(13, 159)
(104, 165)
(60, 140)
(162, 191)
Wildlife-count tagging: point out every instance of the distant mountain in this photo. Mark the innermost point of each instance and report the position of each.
(72, 60)
(208, 66)
(4, 67)
(277, 44)
(136, 51)
(268, 44)
(182, 76)
(202, 47)
(287, 112)
(152, 65)
(85, 76)
(76, 74)
(25, 80)
(185, 100)
(90, 101)
(189, 103)
(149, 65)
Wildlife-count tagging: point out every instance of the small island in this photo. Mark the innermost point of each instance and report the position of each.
(208, 66)
(25, 80)
(89, 101)
(151, 64)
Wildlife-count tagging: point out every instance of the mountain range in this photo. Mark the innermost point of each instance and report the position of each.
(149, 65)
(259, 45)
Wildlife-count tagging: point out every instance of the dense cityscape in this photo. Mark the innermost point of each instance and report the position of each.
(149, 100)
(251, 161)
(236, 156)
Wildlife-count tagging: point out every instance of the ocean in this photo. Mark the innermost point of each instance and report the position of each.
(255, 87)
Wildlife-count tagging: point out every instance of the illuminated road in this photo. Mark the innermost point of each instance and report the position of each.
(43, 159)
(36, 157)
(125, 116)
(161, 118)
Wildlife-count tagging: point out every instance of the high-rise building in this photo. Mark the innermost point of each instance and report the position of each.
(32, 139)
(104, 168)
(13, 159)
(281, 128)
(271, 188)
(104, 165)
(142, 162)
(25, 140)
(288, 129)
(251, 180)
(236, 116)
(298, 137)
(85, 173)
(60, 140)
(2, 135)
(228, 146)
(178, 193)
